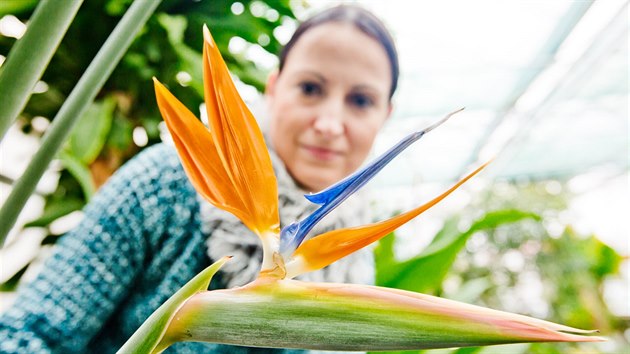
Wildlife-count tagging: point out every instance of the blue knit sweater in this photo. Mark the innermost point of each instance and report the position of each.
(139, 242)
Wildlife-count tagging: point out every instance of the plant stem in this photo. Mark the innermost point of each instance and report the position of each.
(81, 96)
(30, 56)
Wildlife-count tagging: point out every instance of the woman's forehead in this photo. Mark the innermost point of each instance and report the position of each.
(340, 49)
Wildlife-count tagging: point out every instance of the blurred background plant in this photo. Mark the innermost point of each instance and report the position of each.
(507, 250)
(511, 242)
(124, 117)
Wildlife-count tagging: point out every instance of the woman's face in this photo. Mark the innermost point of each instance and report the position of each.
(328, 103)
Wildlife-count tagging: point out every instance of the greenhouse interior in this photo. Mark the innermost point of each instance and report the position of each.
(542, 231)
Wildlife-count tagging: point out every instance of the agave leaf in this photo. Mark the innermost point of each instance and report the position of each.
(324, 316)
(147, 338)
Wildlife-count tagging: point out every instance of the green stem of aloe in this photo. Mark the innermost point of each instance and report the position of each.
(81, 96)
(30, 56)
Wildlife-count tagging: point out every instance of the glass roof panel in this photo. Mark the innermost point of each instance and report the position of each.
(546, 110)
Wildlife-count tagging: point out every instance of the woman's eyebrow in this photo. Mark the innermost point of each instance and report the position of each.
(316, 74)
(367, 88)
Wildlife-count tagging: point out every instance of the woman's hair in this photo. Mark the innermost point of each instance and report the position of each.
(363, 20)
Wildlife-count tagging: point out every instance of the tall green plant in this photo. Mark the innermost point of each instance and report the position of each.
(167, 47)
(31, 55)
(78, 101)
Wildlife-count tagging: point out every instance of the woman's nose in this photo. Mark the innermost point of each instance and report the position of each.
(329, 121)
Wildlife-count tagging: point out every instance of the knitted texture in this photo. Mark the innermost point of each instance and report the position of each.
(140, 240)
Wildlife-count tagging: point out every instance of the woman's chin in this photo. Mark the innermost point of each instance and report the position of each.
(318, 178)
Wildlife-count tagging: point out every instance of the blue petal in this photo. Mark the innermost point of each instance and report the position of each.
(291, 236)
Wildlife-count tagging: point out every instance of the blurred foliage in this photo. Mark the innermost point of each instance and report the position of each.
(496, 255)
(169, 47)
(438, 257)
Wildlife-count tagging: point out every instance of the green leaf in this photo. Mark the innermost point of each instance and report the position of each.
(147, 338)
(116, 7)
(152, 127)
(55, 210)
(175, 26)
(12, 284)
(16, 6)
(80, 171)
(90, 133)
(384, 252)
(604, 260)
(425, 272)
(121, 133)
(29, 57)
(79, 99)
(472, 290)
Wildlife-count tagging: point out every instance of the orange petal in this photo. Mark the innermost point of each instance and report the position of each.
(197, 152)
(327, 248)
(240, 144)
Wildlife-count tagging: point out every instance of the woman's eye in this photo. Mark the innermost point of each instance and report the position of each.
(310, 89)
(360, 100)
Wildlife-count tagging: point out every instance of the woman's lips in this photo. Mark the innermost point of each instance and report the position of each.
(321, 153)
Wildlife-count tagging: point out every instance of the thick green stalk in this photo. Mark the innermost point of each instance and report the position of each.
(30, 56)
(81, 96)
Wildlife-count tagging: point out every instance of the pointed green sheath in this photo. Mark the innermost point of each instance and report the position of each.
(149, 335)
(293, 314)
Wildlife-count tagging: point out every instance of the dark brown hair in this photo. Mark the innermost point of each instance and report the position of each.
(362, 19)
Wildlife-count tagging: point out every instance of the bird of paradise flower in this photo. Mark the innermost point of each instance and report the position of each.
(228, 164)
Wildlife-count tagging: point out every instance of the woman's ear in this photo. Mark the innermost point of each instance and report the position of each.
(390, 108)
(270, 87)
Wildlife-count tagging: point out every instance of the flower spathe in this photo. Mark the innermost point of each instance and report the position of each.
(229, 165)
(325, 316)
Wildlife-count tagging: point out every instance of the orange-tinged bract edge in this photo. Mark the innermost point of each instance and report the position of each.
(327, 316)
(331, 246)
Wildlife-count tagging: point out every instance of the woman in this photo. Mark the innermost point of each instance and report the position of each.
(147, 231)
